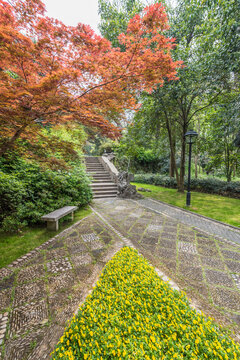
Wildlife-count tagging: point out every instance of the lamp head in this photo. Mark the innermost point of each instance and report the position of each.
(191, 136)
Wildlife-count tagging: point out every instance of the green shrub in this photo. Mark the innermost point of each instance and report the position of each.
(107, 147)
(12, 193)
(144, 160)
(133, 315)
(209, 186)
(27, 192)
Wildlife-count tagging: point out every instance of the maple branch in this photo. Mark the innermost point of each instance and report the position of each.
(111, 81)
(132, 56)
(97, 86)
(24, 74)
(9, 143)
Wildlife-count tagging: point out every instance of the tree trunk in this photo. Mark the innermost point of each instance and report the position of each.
(227, 164)
(234, 170)
(196, 166)
(8, 144)
(172, 144)
(182, 164)
(172, 161)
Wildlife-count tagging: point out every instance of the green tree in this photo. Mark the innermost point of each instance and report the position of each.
(207, 73)
(223, 121)
(115, 16)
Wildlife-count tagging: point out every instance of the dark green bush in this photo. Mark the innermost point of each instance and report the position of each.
(27, 192)
(209, 186)
(12, 193)
(141, 160)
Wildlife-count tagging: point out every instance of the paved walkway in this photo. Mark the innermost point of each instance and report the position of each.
(42, 291)
(199, 222)
(205, 266)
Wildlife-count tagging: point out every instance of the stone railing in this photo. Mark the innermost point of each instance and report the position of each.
(122, 179)
(110, 168)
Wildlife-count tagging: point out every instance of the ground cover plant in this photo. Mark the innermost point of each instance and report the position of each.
(214, 206)
(14, 245)
(133, 314)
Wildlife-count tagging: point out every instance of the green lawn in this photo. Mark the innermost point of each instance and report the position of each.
(13, 246)
(216, 207)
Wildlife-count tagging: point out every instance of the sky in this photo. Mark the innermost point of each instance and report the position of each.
(71, 12)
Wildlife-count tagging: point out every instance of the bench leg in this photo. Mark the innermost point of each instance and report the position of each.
(72, 216)
(52, 225)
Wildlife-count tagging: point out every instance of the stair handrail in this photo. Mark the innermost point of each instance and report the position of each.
(109, 166)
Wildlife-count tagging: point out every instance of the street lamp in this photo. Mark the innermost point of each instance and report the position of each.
(190, 139)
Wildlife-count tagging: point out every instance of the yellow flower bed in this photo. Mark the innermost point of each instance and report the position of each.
(133, 314)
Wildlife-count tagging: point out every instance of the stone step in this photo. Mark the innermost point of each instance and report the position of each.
(99, 181)
(101, 177)
(92, 162)
(105, 192)
(104, 187)
(104, 196)
(93, 165)
(98, 172)
(98, 184)
(96, 169)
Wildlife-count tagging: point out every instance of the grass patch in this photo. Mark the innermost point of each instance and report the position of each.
(13, 246)
(214, 206)
(133, 314)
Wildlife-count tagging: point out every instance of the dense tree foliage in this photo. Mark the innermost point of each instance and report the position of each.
(205, 98)
(114, 17)
(52, 73)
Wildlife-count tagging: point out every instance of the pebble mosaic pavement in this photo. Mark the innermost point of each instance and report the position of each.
(42, 290)
(207, 267)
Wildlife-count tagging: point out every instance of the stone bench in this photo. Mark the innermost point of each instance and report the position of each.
(53, 217)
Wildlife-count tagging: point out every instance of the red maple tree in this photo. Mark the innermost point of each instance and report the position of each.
(51, 73)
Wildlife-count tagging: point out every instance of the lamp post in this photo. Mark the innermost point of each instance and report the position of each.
(190, 139)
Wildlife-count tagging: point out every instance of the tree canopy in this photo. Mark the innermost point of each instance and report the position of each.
(52, 73)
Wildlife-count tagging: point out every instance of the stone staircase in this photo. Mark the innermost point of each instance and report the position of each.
(102, 184)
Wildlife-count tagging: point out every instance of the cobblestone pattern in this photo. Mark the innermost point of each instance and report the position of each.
(187, 247)
(59, 265)
(89, 237)
(24, 316)
(208, 267)
(236, 278)
(3, 326)
(47, 286)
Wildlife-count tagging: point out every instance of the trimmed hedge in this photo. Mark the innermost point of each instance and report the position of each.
(133, 315)
(209, 186)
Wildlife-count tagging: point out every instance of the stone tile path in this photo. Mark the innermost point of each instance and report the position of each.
(41, 291)
(210, 226)
(205, 266)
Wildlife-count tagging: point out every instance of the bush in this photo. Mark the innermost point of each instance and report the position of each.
(12, 193)
(27, 192)
(141, 160)
(133, 314)
(209, 186)
(107, 147)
